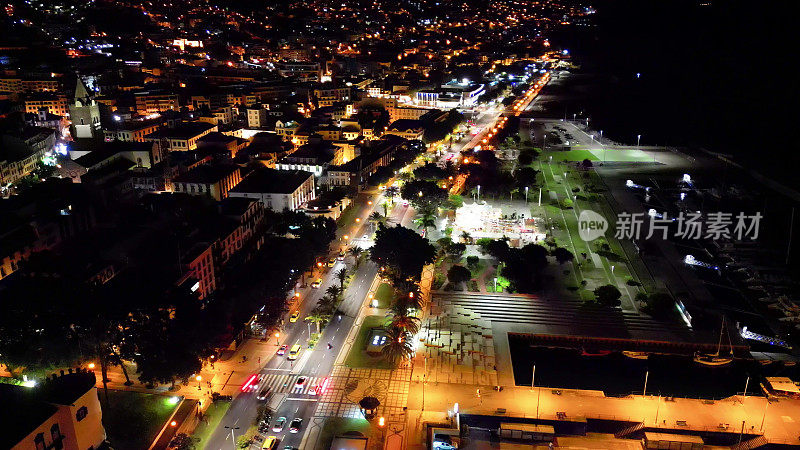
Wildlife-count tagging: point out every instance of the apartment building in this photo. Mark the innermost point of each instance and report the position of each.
(214, 180)
(53, 103)
(155, 101)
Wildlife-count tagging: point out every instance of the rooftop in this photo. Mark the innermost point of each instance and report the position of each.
(207, 173)
(406, 124)
(273, 181)
(109, 149)
(26, 408)
(184, 130)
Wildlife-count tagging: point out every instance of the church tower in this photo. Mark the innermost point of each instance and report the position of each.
(84, 112)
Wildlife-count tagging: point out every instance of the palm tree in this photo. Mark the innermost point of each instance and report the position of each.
(398, 308)
(334, 291)
(341, 275)
(355, 252)
(376, 217)
(327, 303)
(466, 237)
(398, 346)
(425, 221)
(318, 317)
(391, 192)
(409, 324)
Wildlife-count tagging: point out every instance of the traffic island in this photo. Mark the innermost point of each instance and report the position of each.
(358, 357)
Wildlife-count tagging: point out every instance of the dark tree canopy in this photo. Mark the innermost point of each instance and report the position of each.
(458, 274)
(563, 255)
(431, 172)
(524, 266)
(608, 295)
(661, 306)
(432, 194)
(525, 177)
(402, 250)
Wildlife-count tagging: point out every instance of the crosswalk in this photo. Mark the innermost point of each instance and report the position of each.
(287, 383)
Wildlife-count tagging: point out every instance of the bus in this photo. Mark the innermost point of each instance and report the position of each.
(294, 352)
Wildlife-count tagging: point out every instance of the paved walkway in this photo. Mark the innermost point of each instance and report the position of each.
(776, 420)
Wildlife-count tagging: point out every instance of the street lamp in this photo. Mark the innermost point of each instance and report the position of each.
(638, 139)
(526, 195)
(277, 335)
(199, 379)
(495, 284)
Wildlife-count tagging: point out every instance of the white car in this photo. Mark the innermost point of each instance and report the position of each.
(279, 424)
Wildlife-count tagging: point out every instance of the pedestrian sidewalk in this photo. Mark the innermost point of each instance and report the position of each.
(775, 419)
(225, 377)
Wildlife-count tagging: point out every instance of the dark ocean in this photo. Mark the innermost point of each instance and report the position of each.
(712, 74)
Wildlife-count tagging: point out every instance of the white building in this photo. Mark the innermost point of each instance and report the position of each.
(277, 189)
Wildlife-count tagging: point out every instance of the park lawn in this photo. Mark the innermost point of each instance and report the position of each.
(384, 294)
(502, 284)
(133, 419)
(337, 426)
(348, 216)
(211, 420)
(358, 357)
(621, 155)
(572, 155)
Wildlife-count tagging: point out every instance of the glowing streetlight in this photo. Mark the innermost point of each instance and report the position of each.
(199, 379)
(277, 335)
(91, 366)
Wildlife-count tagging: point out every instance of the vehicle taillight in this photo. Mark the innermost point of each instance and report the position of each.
(249, 382)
